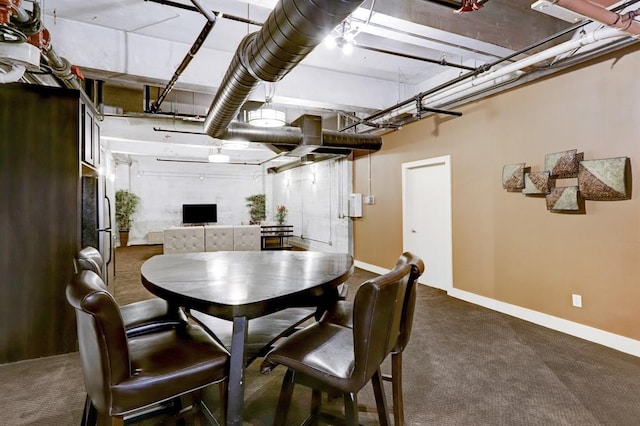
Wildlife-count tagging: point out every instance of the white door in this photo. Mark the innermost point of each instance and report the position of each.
(426, 217)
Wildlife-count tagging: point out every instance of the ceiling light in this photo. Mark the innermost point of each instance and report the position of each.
(219, 157)
(343, 36)
(330, 41)
(347, 47)
(267, 117)
(551, 9)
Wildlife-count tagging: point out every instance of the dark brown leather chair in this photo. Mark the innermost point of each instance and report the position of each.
(146, 316)
(123, 375)
(332, 358)
(341, 314)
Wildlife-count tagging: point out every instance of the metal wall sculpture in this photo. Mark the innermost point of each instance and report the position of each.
(606, 179)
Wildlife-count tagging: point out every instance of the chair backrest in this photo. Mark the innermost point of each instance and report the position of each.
(102, 339)
(377, 308)
(409, 306)
(90, 259)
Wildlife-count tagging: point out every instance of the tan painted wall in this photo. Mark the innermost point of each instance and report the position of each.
(507, 246)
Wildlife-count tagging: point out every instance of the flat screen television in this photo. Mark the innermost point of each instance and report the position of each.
(199, 213)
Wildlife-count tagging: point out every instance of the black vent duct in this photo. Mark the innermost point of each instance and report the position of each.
(292, 30)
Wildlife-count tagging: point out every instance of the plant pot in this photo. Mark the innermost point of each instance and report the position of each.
(124, 238)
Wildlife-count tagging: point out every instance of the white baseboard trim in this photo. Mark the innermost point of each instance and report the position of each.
(605, 338)
(592, 334)
(371, 268)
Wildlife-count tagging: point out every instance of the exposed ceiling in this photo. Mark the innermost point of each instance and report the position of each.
(402, 48)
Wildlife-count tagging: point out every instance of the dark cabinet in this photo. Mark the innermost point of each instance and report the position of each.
(41, 138)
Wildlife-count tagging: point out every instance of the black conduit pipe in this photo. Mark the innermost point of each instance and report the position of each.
(208, 26)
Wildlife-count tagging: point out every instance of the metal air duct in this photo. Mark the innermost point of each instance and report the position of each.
(304, 139)
(292, 30)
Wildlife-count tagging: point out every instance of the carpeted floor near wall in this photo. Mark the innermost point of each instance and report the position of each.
(465, 365)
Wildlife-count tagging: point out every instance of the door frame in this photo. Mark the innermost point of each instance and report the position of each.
(444, 161)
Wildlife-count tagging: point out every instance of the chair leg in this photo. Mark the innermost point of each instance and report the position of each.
(222, 388)
(316, 402)
(350, 408)
(396, 385)
(89, 415)
(284, 401)
(381, 401)
(197, 399)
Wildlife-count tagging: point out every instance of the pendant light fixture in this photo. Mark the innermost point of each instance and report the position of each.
(266, 115)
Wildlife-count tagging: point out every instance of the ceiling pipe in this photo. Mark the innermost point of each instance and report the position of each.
(199, 9)
(29, 24)
(482, 68)
(204, 33)
(380, 118)
(292, 137)
(623, 21)
(285, 135)
(292, 30)
(480, 83)
(14, 74)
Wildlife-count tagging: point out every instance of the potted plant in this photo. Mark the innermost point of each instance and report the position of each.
(281, 214)
(126, 205)
(257, 209)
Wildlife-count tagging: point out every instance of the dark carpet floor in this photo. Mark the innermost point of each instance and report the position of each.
(465, 365)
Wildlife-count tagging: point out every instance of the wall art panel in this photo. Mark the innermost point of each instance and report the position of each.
(513, 177)
(565, 200)
(605, 179)
(537, 183)
(563, 164)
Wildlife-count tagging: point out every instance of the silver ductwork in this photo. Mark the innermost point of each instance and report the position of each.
(292, 30)
(303, 137)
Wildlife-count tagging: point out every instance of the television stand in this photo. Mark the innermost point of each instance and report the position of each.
(276, 237)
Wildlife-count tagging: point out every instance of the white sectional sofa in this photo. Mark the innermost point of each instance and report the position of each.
(193, 239)
(218, 238)
(246, 237)
(185, 239)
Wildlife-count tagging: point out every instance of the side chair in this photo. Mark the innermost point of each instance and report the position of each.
(336, 359)
(140, 318)
(341, 314)
(146, 316)
(125, 376)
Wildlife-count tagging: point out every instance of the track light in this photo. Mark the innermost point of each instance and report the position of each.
(343, 36)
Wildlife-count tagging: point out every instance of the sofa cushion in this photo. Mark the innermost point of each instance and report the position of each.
(218, 238)
(186, 239)
(246, 237)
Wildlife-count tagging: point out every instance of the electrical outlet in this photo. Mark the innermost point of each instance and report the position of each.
(577, 300)
(369, 199)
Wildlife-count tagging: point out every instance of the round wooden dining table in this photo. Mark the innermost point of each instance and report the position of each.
(241, 285)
